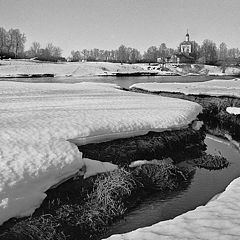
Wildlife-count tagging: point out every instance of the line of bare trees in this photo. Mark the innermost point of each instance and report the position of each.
(122, 54)
(49, 53)
(207, 53)
(12, 46)
(11, 43)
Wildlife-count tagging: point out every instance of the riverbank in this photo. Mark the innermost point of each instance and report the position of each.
(86, 207)
(21, 68)
(42, 124)
(214, 96)
(31, 69)
(57, 117)
(219, 219)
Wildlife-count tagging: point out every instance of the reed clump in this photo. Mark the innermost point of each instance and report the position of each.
(211, 162)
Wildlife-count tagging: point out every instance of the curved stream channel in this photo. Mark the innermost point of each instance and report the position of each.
(198, 190)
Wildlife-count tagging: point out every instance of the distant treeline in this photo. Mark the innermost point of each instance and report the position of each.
(207, 53)
(12, 44)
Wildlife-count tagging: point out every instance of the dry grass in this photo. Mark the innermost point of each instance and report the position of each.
(113, 186)
(42, 228)
(211, 162)
(161, 176)
(103, 205)
(110, 196)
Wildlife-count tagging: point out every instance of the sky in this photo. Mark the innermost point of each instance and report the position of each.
(106, 24)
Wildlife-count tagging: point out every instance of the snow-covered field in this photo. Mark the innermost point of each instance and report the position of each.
(14, 67)
(211, 88)
(220, 218)
(40, 122)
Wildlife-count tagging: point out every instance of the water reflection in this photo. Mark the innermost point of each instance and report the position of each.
(198, 190)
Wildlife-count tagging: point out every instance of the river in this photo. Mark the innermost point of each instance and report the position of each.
(124, 82)
(196, 191)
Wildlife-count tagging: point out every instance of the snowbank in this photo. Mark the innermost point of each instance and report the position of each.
(201, 69)
(39, 122)
(211, 88)
(17, 67)
(219, 219)
(233, 110)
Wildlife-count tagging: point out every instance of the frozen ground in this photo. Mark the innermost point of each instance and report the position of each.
(13, 67)
(211, 88)
(40, 122)
(220, 218)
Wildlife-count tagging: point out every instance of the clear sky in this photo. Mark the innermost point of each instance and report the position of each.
(106, 24)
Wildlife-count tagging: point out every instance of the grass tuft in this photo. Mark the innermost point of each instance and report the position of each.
(103, 205)
(42, 228)
(161, 176)
(211, 162)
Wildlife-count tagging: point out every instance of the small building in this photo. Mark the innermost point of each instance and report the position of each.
(186, 46)
(186, 49)
(186, 52)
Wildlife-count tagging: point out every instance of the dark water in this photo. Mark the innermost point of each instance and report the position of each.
(203, 186)
(197, 191)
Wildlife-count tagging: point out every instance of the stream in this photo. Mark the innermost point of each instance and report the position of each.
(198, 190)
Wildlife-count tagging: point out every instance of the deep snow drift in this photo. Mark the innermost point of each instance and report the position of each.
(211, 88)
(40, 122)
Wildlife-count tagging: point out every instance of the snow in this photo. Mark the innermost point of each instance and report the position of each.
(196, 125)
(40, 122)
(219, 219)
(233, 110)
(94, 167)
(201, 69)
(211, 88)
(75, 69)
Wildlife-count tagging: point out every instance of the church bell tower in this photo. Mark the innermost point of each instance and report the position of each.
(187, 36)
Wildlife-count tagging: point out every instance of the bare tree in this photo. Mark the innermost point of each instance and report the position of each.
(151, 54)
(209, 51)
(35, 49)
(57, 52)
(19, 41)
(223, 51)
(76, 56)
(3, 40)
(122, 54)
(222, 57)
